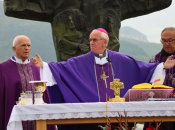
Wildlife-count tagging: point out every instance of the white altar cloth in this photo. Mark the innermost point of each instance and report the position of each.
(88, 110)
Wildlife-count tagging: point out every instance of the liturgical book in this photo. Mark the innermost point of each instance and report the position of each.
(157, 84)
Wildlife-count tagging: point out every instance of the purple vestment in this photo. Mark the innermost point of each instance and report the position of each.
(77, 81)
(14, 79)
(102, 85)
(169, 81)
(170, 73)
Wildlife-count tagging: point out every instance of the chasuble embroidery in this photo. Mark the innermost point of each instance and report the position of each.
(103, 77)
(25, 72)
(170, 73)
(26, 75)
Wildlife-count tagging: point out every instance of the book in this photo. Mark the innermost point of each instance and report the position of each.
(157, 84)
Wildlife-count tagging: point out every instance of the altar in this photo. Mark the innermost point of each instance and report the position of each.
(88, 113)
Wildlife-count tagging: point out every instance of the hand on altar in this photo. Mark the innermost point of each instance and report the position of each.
(37, 61)
(169, 63)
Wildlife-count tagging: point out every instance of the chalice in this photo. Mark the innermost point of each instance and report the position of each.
(40, 86)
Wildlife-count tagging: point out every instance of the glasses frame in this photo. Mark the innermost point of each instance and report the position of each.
(95, 39)
(167, 41)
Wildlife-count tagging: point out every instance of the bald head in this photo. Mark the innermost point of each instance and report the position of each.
(21, 47)
(17, 39)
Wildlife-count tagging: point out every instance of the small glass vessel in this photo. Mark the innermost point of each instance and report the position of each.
(29, 97)
(38, 97)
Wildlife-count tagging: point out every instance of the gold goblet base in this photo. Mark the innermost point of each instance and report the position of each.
(117, 100)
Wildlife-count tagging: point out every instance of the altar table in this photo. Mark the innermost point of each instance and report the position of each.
(87, 113)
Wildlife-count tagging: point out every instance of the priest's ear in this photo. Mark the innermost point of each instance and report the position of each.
(14, 48)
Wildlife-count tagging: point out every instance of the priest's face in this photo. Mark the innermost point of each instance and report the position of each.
(168, 41)
(22, 47)
(97, 44)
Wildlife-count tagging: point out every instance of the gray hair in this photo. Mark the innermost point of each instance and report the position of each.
(104, 36)
(168, 28)
(15, 40)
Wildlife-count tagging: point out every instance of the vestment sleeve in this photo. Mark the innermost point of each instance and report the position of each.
(158, 72)
(2, 101)
(46, 75)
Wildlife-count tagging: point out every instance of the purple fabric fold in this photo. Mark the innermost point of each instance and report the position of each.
(77, 82)
(11, 87)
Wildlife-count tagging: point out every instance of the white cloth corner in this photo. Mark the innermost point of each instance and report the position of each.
(16, 125)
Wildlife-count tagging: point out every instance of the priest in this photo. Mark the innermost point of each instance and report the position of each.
(168, 49)
(15, 74)
(87, 78)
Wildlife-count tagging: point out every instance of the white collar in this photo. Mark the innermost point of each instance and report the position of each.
(103, 60)
(19, 61)
(100, 54)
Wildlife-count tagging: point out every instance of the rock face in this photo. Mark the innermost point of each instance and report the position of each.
(131, 33)
(73, 20)
(42, 43)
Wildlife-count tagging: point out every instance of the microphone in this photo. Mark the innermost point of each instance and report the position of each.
(108, 59)
(111, 67)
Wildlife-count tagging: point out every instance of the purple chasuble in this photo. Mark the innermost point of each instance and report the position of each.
(170, 73)
(102, 85)
(76, 80)
(14, 79)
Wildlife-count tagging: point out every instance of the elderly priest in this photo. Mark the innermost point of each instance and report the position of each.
(87, 78)
(15, 74)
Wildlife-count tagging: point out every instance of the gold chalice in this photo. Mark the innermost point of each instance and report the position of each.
(40, 86)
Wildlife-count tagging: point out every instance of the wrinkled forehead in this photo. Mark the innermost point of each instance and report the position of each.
(168, 34)
(95, 34)
(23, 40)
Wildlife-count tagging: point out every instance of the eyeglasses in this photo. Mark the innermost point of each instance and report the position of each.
(170, 41)
(95, 39)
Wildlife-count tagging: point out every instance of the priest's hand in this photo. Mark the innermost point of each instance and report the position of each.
(169, 63)
(37, 61)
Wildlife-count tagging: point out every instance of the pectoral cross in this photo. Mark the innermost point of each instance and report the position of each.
(103, 76)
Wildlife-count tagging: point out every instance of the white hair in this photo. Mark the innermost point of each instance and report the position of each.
(104, 36)
(15, 40)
